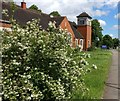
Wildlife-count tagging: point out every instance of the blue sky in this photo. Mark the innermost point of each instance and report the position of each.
(111, 21)
(106, 11)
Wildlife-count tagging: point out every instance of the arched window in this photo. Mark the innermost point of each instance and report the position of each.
(76, 41)
(81, 42)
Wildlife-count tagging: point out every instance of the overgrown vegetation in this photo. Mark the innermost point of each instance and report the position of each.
(40, 64)
(34, 7)
(94, 80)
(54, 14)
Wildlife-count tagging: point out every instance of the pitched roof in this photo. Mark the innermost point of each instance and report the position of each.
(74, 28)
(84, 14)
(22, 16)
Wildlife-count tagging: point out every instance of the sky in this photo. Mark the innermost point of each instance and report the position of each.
(105, 11)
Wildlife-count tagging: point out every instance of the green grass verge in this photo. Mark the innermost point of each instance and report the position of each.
(96, 78)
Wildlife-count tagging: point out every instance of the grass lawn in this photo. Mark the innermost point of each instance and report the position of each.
(96, 78)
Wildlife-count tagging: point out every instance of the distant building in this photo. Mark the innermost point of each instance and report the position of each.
(80, 33)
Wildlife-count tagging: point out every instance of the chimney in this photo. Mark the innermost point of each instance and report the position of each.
(23, 5)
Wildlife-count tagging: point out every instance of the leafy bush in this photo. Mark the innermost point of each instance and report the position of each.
(39, 64)
(92, 47)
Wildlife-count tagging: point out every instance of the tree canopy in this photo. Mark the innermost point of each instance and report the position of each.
(34, 7)
(96, 32)
(107, 40)
(55, 13)
(116, 42)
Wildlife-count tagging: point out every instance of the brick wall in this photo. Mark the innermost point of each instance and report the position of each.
(65, 25)
(86, 33)
(7, 25)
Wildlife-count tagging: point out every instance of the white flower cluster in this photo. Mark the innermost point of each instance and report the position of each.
(5, 12)
(86, 55)
(94, 66)
(52, 24)
(39, 64)
(83, 61)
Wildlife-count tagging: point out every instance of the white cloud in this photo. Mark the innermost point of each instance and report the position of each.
(102, 23)
(111, 35)
(71, 8)
(116, 27)
(117, 16)
(97, 3)
(112, 3)
(100, 13)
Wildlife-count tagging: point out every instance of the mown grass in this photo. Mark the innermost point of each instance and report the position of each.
(96, 78)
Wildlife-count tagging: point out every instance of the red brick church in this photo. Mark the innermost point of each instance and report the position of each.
(80, 32)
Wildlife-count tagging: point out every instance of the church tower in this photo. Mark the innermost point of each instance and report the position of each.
(84, 27)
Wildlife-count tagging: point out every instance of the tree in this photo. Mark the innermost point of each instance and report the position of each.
(34, 7)
(96, 33)
(107, 40)
(55, 13)
(116, 42)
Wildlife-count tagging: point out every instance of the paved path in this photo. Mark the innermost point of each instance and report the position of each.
(0, 78)
(112, 88)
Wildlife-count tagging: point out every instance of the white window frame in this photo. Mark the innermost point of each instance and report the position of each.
(81, 42)
(76, 42)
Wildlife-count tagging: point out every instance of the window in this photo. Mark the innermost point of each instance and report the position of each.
(82, 22)
(81, 42)
(76, 42)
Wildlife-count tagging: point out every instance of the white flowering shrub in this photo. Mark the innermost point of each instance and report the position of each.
(86, 55)
(5, 12)
(39, 64)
